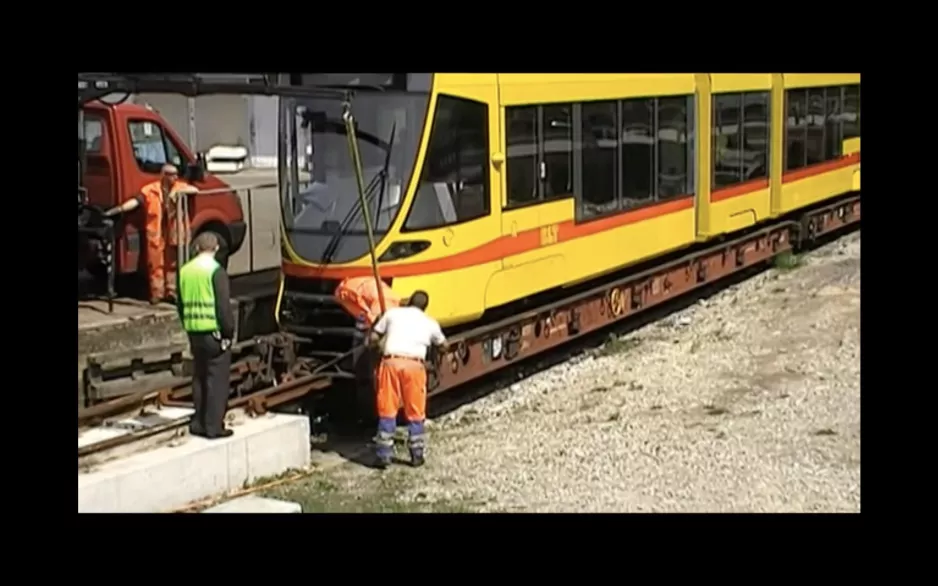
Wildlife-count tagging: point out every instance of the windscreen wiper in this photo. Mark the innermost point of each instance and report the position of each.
(384, 173)
(346, 220)
(355, 211)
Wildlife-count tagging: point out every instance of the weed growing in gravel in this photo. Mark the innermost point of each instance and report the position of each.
(618, 346)
(787, 261)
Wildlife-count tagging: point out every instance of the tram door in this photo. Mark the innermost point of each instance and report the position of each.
(537, 186)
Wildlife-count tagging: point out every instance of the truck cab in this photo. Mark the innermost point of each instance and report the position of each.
(125, 146)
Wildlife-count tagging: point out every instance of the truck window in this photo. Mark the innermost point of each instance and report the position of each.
(94, 131)
(152, 148)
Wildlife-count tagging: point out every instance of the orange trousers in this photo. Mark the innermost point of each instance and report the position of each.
(161, 269)
(402, 382)
(161, 255)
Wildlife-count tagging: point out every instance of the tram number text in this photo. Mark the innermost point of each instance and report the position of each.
(548, 234)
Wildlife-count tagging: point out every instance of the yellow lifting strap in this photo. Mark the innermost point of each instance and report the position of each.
(359, 178)
(182, 228)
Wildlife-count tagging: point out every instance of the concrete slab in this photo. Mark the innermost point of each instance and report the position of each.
(142, 329)
(173, 476)
(256, 504)
(93, 313)
(133, 324)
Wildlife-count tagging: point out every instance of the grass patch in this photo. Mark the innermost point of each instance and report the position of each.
(615, 346)
(383, 492)
(262, 480)
(787, 261)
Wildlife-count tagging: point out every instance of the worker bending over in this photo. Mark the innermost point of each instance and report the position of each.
(407, 333)
(205, 310)
(159, 203)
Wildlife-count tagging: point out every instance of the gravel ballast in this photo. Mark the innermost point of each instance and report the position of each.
(748, 401)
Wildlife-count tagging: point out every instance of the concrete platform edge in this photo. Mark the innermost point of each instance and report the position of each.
(257, 505)
(170, 477)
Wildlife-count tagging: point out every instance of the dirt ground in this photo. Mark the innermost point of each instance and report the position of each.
(748, 401)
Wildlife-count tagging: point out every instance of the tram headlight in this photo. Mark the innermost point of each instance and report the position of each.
(404, 249)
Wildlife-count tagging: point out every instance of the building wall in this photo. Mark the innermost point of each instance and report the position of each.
(248, 121)
(264, 131)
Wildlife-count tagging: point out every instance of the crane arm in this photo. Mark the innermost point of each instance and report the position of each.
(93, 86)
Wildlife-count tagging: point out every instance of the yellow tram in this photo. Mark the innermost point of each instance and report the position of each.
(487, 189)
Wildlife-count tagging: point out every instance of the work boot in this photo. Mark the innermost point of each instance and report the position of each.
(223, 433)
(417, 441)
(384, 443)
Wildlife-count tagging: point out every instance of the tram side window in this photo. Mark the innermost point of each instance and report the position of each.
(521, 154)
(740, 138)
(814, 145)
(727, 135)
(833, 123)
(557, 147)
(851, 111)
(539, 153)
(756, 135)
(638, 152)
(672, 148)
(795, 128)
(454, 180)
(599, 153)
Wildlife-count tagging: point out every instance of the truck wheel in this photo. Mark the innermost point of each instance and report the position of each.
(222, 255)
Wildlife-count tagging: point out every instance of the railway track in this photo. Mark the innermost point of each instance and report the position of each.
(159, 413)
(487, 352)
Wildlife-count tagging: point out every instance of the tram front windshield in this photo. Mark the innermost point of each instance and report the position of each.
(321, 205)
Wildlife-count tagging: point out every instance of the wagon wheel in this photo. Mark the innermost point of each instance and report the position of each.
(462, 351)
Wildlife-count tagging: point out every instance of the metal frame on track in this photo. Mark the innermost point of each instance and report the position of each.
(274, 375)
(484, 350)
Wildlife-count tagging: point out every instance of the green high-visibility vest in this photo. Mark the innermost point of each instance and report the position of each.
(198, 295)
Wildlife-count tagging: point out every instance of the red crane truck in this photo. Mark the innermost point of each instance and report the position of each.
(122, 147)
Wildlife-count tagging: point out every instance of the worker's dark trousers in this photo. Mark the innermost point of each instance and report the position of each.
(210, 384)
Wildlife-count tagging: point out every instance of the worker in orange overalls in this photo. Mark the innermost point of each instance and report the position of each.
(159, 203)
(360, 298)
(404, 335)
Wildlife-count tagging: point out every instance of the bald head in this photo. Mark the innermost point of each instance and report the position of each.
(169, 174)
(206, 242)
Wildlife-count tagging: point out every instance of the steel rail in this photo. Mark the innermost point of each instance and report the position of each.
(255, 403)
(121, 406)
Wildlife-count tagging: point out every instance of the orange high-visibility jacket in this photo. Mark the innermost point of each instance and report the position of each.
(359, 296)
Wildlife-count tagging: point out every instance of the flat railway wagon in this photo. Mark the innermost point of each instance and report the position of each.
(510, 198)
